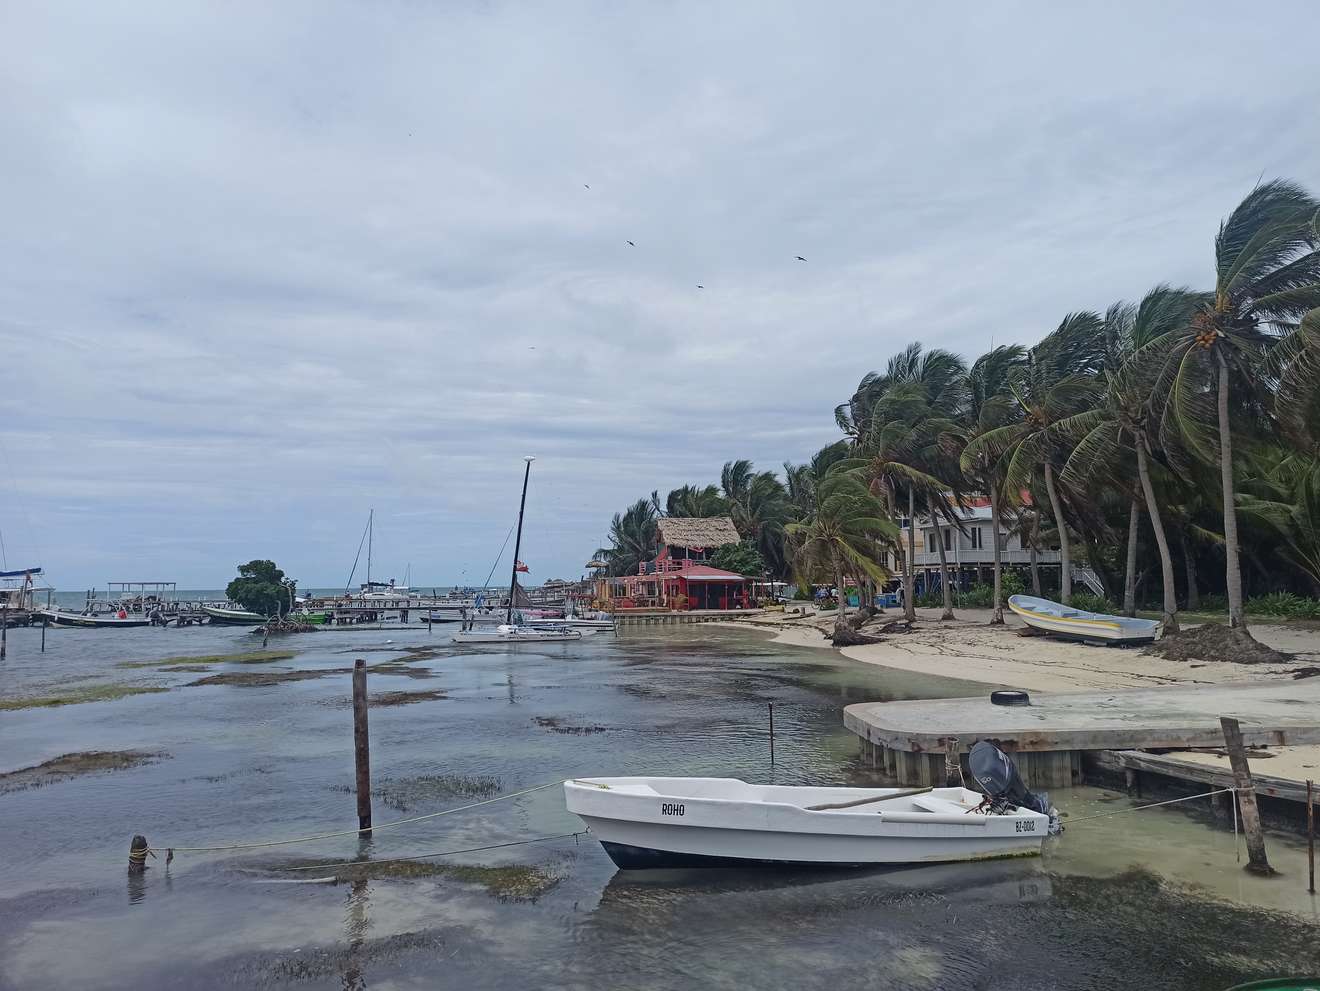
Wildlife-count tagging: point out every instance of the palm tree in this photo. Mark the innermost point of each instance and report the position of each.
(844, 536)
(759, 506)
(801, 481)
(696, 501)
(632, 538)
(1267, 277)
(1057, 381)
(990, 406)
(1291, 507)
(1118, 430)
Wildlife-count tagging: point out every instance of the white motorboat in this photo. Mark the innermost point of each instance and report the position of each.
(507, 633)
(1078, 624)
(63, 617)
(724, 822)
(573, 623)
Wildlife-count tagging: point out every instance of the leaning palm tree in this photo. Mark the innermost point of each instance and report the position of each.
(990, 406)
(1057, 381)
(1291, 507)
(758, 503)
(1267, 277)
(843, 537)
(695, 501)
(632, 538)
(1118, 433)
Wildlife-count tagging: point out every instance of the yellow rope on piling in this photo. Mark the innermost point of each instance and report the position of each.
(352, 832)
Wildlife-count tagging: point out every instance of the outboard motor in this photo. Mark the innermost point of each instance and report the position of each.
(998, 777)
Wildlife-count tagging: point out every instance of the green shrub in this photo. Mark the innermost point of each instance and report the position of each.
(1092, 603)
(1285, 604)
(1011, 583)
(1213, 603)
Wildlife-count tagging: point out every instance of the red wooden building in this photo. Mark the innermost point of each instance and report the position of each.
(680, 577)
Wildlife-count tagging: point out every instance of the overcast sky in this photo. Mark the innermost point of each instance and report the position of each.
(266, 266)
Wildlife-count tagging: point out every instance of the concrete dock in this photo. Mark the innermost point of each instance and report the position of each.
(1049, 737)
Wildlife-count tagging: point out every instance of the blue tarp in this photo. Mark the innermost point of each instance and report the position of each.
(22, 573)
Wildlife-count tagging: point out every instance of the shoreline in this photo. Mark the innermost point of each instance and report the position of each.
(969, 649)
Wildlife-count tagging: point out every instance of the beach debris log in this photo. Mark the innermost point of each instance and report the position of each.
(1257, 862)
(361, 745)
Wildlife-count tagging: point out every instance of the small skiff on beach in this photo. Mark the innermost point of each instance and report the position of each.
(1061, 620)
(507, 634)
(724, 822)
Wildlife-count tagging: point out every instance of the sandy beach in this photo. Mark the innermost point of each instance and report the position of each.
(970, 648)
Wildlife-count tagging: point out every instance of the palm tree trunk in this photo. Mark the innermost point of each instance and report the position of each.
(944, 564)
(1233, 578)
(909, 604)
(1189, 562)
(1170, 617)
(1130, 577)
(1034, 541)
(997, 603)
(1065, 552)
(841, 610)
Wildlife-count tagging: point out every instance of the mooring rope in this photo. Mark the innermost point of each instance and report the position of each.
(428, 856)
(172, 850)
(1152, 805)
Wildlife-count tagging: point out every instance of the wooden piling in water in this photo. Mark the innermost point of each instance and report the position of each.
(4, 629)
(361, 745)
(45, 622)
(1310, 838)
(772, 733)
(952, 766)
(137, 854)
(1257, 862)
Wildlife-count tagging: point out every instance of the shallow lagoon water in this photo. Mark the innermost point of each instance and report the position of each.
(1133, 901)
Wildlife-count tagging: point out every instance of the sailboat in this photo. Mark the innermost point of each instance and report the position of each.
(510, 632)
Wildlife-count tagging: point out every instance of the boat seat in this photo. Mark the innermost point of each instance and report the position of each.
(943, 806)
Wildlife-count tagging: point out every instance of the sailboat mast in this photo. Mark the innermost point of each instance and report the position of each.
(371, 520)
(517, 544)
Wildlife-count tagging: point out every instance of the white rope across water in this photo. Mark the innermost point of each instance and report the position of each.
(1155, 805)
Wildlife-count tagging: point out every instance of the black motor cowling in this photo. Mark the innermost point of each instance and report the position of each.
(998, 777)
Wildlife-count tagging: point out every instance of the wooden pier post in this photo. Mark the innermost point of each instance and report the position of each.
(1310, 839)
(361, 745)
(4, 629)
(952, 767)
(1257, 862)
(772, 734)
(137, 854)
(45, 622)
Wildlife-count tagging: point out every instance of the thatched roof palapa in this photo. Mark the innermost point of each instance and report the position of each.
(710, 531)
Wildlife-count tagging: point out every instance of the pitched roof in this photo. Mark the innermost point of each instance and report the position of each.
(710, 531)
(705, 573)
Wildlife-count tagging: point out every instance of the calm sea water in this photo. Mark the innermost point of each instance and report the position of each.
(1155, 903)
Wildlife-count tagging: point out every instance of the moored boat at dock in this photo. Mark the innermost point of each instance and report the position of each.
(659, 822)
(62, 617)
(233, 617)
(1078, 624)
(507, 633)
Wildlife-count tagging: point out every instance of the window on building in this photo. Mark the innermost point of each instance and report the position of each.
(930, 543)
(976, 538)
(948, 539)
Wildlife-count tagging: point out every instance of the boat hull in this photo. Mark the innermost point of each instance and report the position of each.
(493, 638)
(233, 617)
(1075, 624)
(58, 618)
(652, 830)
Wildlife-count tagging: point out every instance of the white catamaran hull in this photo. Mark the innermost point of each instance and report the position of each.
(723, 822)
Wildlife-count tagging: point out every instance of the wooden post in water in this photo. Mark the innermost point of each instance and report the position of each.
(772, 733)
(952, 765)
(361, 745)
(1257, 862)
(45, 622)
(4, 629)
(137, 855)
(1310, 839)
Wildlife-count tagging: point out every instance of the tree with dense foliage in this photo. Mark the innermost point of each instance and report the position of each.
(989, 407)
(759, 506)
(741, 558)
(1267, 278)
(633, 537)
(262, 588)
(843, 537)
(696, 501)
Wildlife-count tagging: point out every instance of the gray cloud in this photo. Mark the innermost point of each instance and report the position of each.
(266, 266)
